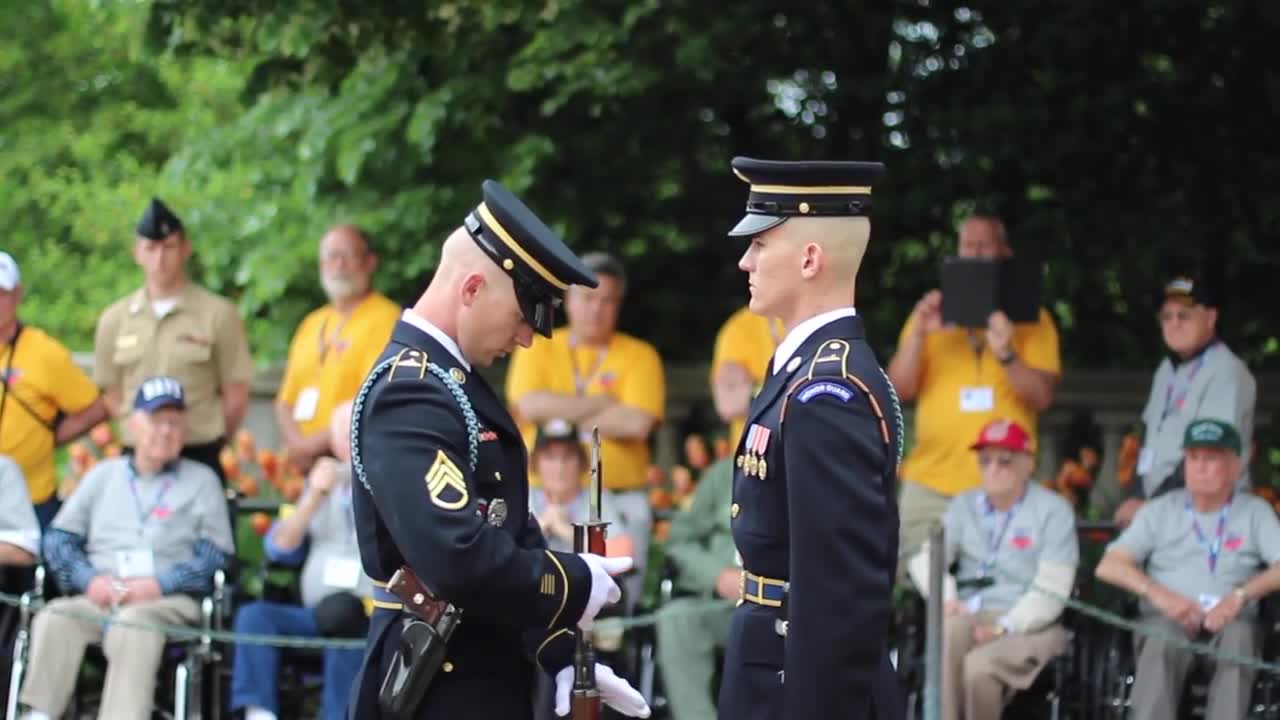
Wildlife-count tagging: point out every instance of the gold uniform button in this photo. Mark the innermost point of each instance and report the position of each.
(447, 667)
(734, 509)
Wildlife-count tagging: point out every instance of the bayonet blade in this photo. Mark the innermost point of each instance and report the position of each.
(597, 479)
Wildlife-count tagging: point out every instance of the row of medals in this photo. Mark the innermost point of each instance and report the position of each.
(753, 465)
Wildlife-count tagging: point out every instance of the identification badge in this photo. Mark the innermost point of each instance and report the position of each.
(977, 398)
(1146, 458)
(974, 604)
(1207, 602)
(305, 408)
(342, 573)
(135, 564)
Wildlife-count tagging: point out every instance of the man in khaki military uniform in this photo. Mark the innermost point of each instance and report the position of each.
(171, 326)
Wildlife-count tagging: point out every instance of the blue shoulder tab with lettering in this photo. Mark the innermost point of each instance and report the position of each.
(825, 387)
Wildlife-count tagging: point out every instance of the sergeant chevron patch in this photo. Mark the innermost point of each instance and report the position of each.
(445, 484)
(825, 388)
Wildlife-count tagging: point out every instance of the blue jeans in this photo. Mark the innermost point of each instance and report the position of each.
(46, 510)
(256, 669)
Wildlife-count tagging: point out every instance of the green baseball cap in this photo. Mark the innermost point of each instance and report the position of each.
(1212, 434)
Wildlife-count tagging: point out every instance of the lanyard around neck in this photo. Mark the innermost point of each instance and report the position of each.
(995, 539)
(580, 381)
(1212, 549)
(1173, 403)
(144, 514)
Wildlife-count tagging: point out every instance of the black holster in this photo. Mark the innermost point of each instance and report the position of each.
(416, 661)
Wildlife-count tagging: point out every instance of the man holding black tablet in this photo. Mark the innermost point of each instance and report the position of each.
(963, 377)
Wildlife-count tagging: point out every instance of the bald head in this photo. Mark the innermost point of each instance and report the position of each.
(347, 235)
(983, 236)
(461, 256)
(473, 301)
(840, 243)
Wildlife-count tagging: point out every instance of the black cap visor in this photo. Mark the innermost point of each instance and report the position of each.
(753, 224)
(538, 308)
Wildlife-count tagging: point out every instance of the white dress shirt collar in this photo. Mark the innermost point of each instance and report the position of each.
(429, 328)
(801, 332)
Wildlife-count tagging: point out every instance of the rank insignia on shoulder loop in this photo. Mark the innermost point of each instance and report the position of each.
(793, 364)
(445, 484)
(408, 363)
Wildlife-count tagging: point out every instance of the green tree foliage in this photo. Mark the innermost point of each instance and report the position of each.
(1116, 140)
(87, 121)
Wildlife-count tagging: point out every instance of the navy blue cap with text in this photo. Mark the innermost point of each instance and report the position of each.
(159, 392)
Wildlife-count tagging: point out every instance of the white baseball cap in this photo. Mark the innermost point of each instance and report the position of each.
(10, 278)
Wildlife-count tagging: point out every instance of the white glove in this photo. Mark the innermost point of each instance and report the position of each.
(614, 691)
(603, 588)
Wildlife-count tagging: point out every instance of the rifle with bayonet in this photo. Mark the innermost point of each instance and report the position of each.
(589, 537)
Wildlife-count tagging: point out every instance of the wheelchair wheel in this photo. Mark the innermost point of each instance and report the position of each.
(1112, 674)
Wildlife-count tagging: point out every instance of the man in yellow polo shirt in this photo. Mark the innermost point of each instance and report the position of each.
(334, 346)
(47, 399)
(743, 349)
(588, 374)
(961, 379)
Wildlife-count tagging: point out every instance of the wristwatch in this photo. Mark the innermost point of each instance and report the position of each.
(1008, 358)
(1241, 593)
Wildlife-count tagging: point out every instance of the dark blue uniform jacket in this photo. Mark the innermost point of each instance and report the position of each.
(467, 533)
(815, 520)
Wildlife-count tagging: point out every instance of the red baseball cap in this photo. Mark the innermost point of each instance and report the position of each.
(1005, 434)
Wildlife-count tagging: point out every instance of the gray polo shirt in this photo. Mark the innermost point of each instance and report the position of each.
(1007, 547)
(1164, 538)
(1215, 384)
(579, 509)
(118, 512)
(333, 559)
(18, 524)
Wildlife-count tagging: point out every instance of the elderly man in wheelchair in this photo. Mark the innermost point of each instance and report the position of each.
(999, 631)
(19, 549)
(333, 589)
(136, 543)
(1210, 553)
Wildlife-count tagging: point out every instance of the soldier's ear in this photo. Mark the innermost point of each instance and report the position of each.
(811, 260)
(471, 286)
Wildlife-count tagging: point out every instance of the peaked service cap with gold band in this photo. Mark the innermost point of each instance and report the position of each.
(817, 188)
(541, 266)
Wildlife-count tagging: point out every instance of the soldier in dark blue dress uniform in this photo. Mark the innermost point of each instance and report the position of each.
(443, 488)
(814, 513)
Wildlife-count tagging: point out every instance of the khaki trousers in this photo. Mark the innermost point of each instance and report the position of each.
(1162, 670)
(918, 508)
(979, 681)
(58, 642)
